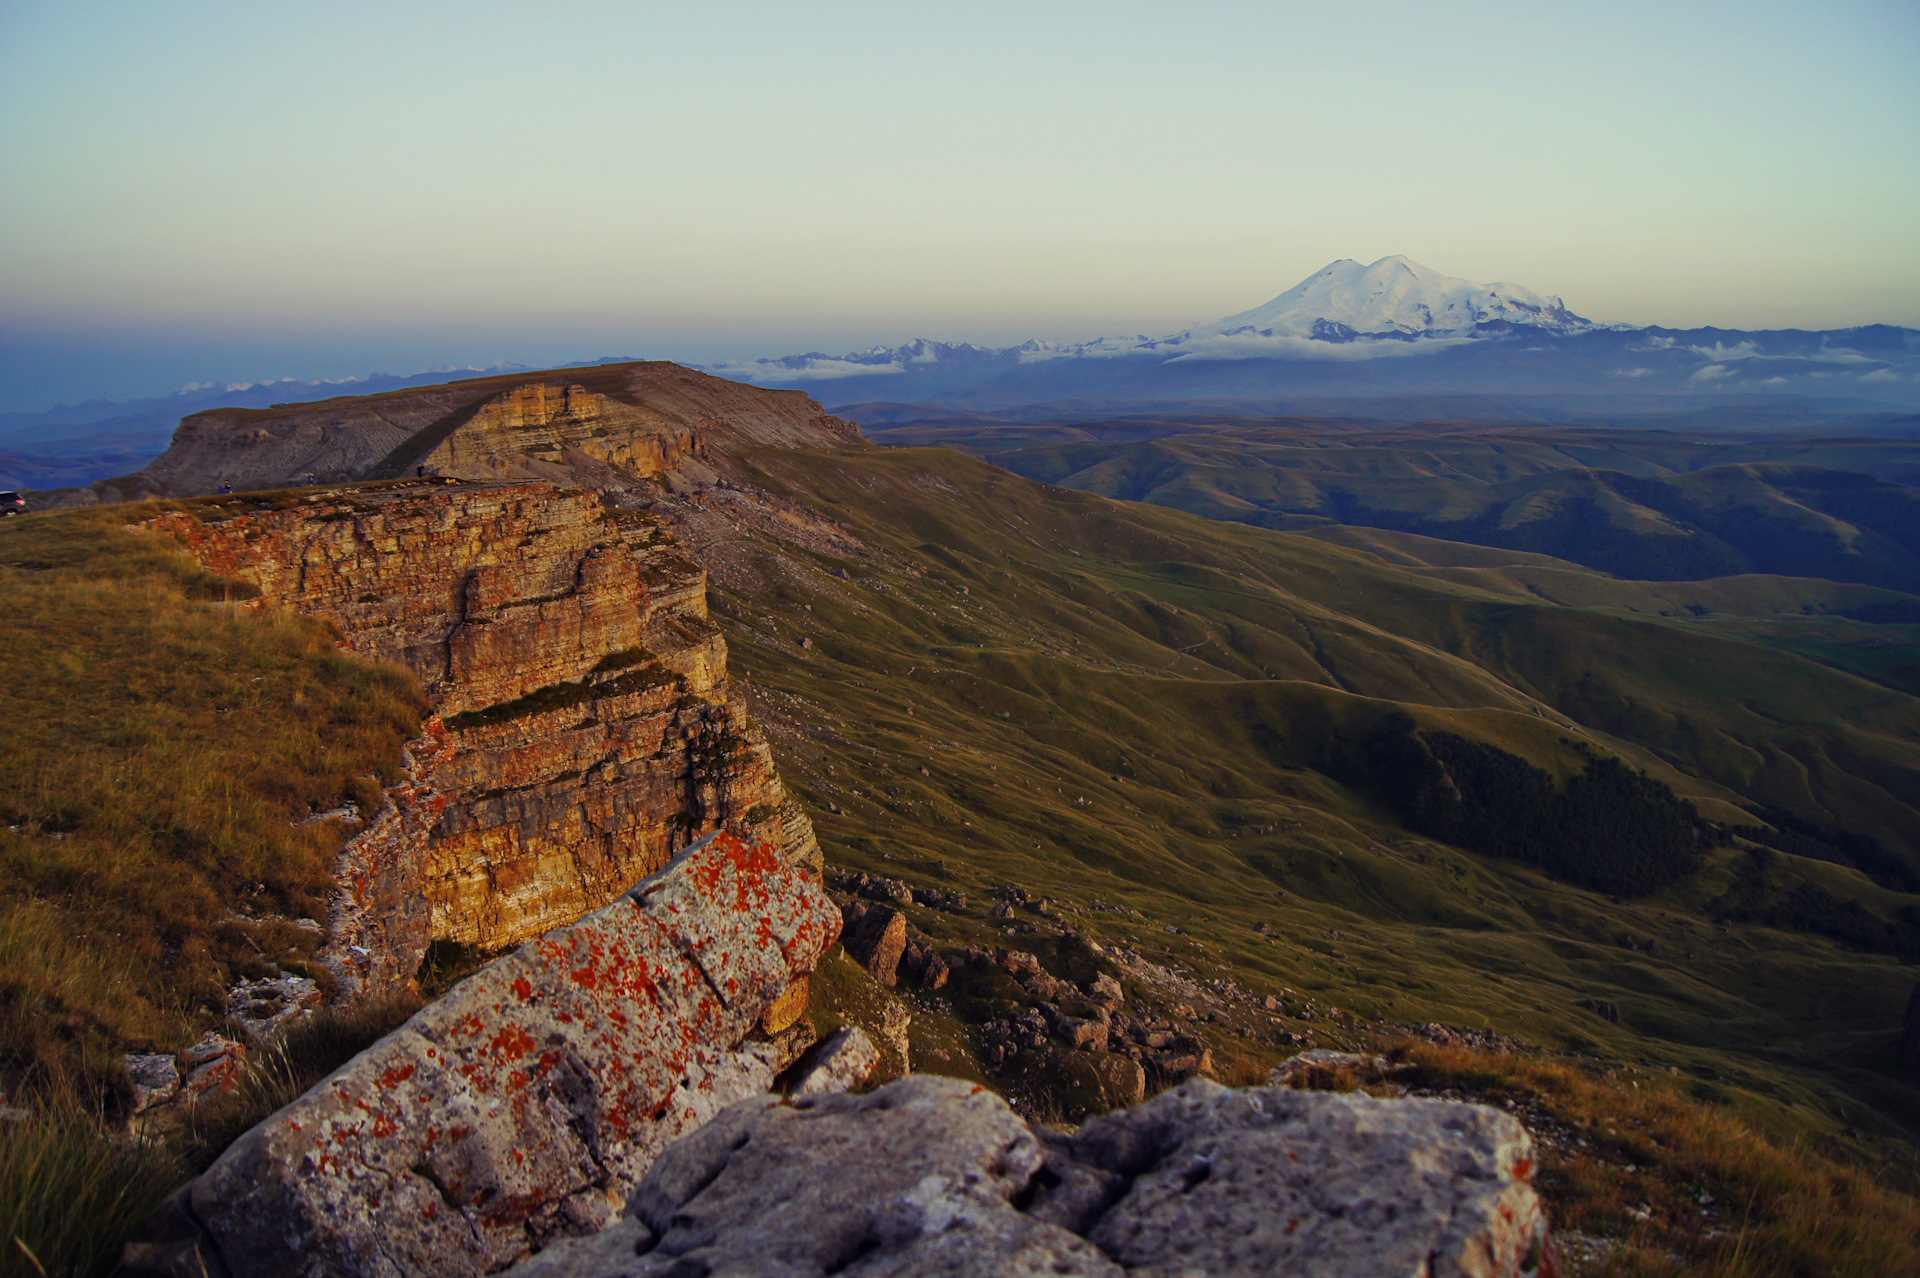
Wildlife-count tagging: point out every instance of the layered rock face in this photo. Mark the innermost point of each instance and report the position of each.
(526, 1104)
(938, 1176)
(585, 728)
(612, 428)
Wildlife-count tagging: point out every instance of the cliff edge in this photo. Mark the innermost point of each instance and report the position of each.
(612, 428)
(585, 728)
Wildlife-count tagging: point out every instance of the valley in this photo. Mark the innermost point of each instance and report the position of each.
(1540, 832)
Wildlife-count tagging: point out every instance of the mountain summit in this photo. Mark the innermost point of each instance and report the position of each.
(1395, 297)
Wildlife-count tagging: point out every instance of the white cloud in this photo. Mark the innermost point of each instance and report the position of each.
(1882, 375)
(1286, 346)
(1632, 372)
(1711, 373)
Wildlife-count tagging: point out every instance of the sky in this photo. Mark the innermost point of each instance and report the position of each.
(201, 191)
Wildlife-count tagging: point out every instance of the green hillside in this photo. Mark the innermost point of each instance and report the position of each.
(1676, 850)
(1647, 505)
(1131, 710)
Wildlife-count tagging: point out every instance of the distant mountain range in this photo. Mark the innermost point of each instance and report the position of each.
(1392, 327)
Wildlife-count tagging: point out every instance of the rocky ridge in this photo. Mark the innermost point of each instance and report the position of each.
(584, 728)
(614, 427)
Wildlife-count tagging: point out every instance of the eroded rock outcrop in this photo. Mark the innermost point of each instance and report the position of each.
(613, 427)
(526, 1104)
(937, 1176)
(585, 729)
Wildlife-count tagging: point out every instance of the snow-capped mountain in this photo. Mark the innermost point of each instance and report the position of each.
(1396, 297)
(1392, 299)
(1349, 328)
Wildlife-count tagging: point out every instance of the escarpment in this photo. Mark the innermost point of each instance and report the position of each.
(612, 428)
(585, 729)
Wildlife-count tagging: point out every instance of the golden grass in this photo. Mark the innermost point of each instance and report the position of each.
(1677, 1186)
(157, 750)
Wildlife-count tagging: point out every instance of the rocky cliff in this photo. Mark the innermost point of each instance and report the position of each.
(613, 428)
(585, 727)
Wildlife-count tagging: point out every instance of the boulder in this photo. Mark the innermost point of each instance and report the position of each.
(841, 1064)
(936, 1176)
(1271, 1180)
(876, 937)
(525, 1104)
(770, 1189)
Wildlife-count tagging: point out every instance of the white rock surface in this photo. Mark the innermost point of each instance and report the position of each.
(842, 1063)
(922, 1177)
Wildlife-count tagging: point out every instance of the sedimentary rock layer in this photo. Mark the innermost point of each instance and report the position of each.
(584, 731)
(527, 1103)
(612, 427)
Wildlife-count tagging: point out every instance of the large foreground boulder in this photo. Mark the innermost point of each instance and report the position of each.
(936, 1176)
(526, 1104)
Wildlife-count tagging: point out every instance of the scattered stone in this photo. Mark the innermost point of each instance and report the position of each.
(845, 1061)
(156, 1079)
(1001, 911)
(1186, 1058)
(265, 1007)
(926, 964)
(895, 1020)
(939, 899)
(1085, 1035)
(215, 1066)
(1012, 894)
(1106, 991)
(875, 937)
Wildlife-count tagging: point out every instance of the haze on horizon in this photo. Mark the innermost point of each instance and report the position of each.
(211, 191)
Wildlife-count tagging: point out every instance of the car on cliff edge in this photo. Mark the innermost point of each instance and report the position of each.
(12, 503)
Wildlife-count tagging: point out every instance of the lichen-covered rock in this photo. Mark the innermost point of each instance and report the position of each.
(935, 1176)
(527, 1103)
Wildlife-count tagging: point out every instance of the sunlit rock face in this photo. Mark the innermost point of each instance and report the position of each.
(613, 428)
(584, 728)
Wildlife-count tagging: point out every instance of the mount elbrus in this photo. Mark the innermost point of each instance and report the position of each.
(1112, 798)
(1391, 327)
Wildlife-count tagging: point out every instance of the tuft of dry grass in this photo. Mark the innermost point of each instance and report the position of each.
(158, 750)
(1671, 1186)
(71, 1194)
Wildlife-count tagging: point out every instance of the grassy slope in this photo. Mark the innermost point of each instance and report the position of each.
(156, 749)
(1670, 505)
(1125, 699)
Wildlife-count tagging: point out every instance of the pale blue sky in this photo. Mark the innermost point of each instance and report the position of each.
(193, 190)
